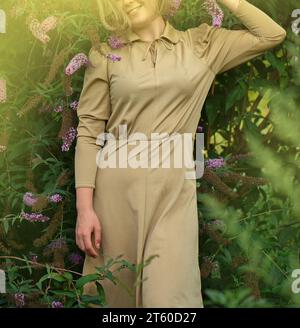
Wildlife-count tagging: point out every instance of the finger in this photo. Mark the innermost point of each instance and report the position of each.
(97, 236)
(88, 245)
(77, 236)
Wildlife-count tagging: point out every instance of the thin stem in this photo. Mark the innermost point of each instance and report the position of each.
(40, 264)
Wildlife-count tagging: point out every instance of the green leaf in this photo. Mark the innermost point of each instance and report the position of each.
(68, 276)
(57, 277)
(101, 292)
(276, 63)
(85, 279)
(235, 95)
(63, 293)
(5, 226)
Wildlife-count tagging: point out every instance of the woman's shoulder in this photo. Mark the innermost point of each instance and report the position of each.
(98, 61)
(199, 34)
(98, 52)
(102, 53)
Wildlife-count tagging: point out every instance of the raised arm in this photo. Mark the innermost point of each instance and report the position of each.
(224, 49)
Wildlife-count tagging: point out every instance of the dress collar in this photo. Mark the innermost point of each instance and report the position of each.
(170, 33)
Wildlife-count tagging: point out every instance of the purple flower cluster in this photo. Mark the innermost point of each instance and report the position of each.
(115, 42)
(215, 163)
(217, 20)
(56, 198)
(29, 199)
(34, 217)
(56, 244)
(75, 258)
(33, 257)
(57, 305)
(76, 63)
(113, 57)
(215, 11)
(200, 128)
(58, 109)
(74, 105)
(68, 139)
(19, 299)
(174, 6)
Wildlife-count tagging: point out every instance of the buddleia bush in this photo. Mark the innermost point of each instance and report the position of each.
(248, 202)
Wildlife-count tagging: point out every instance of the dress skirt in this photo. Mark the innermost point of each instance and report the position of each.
(147, 213)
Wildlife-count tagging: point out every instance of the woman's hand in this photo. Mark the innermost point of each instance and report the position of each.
(88, 232)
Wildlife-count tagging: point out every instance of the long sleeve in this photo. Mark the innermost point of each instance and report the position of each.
(93, 111)
(224, 49)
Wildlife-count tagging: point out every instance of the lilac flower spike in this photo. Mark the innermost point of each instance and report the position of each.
(215, 11)
(217, 20)
(113, 57)
(58, 109)
(215, 163)
(75, 258)
(56, 244)
(57, 305)
(34, 217)
(56, 198)
(115, 42)
(29, 199)
(19, 299)
(74, 105)
(174, 6)
(199, 128)
(76, 62)
(68, 139)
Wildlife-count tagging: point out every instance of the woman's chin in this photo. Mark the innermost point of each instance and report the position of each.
(139, 22)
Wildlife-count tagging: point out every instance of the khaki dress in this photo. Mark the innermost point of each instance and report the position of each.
(157, 86)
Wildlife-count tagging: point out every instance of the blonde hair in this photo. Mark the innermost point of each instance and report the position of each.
(113, 18)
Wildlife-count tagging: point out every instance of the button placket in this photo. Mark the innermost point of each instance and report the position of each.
(153, 51)
(152, 48)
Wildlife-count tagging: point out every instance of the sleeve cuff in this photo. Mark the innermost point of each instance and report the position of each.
(237, 9)
(85, 185)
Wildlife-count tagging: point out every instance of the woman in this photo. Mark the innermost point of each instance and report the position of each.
(158, 83)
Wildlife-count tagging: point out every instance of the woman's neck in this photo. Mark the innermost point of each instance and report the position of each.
(151, 31)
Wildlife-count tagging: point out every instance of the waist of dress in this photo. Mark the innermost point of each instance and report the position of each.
(109, 138)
